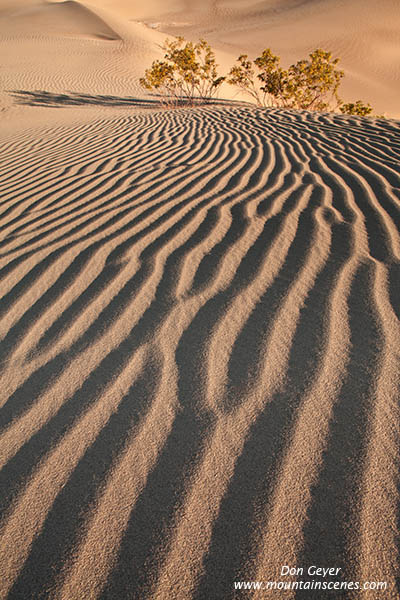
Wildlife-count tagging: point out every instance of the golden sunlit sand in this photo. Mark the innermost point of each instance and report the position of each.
(199, 335)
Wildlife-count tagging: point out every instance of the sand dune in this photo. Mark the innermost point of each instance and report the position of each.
(68, 18)
(199, 353)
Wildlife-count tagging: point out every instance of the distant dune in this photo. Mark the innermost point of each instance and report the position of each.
(199, 312)
(67, 18)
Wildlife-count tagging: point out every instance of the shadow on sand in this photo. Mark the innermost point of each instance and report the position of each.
(56, 100)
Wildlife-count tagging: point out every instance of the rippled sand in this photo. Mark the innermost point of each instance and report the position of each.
(199, 344)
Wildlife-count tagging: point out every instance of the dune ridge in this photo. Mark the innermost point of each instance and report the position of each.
(61, 18)
(199, 352)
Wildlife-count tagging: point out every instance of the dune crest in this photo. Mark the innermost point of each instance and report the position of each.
(55, 18)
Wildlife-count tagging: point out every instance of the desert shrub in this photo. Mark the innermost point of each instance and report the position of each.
(310, 84)
(188, 72)
(313, 84)
(242, 76)
(356, 108)
(271, 76)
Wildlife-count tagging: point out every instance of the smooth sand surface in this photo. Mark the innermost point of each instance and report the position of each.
(199, 334)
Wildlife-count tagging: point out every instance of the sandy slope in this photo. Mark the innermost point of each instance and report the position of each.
(199, 328)
(200, 351)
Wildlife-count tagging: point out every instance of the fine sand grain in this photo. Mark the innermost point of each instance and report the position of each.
(199, 334)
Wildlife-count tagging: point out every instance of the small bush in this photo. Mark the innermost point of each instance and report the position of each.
(356, 108)
(189, 72)
(242, 76)
(309, 84)
(313, 84)
(273, 78)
